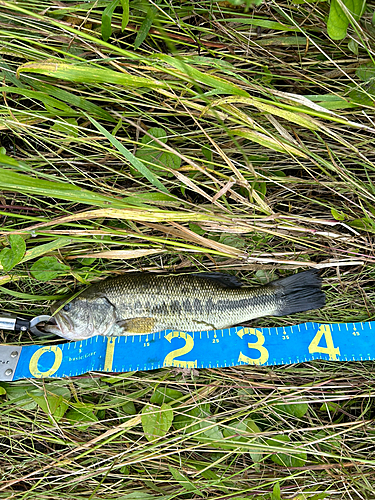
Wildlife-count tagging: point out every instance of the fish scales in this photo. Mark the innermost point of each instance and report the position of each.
(139, 303)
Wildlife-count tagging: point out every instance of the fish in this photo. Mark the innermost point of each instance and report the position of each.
(145, 303)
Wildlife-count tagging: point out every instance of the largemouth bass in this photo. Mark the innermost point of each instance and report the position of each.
(140, 303)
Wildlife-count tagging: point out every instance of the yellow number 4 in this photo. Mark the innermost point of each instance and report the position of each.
(331, 350)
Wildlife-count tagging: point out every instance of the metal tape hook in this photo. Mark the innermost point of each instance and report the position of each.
(34, 325)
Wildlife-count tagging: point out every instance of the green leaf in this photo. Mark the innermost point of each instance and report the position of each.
(156, 422)
(196, 229)
(68, 126)
(107, 18)
(2, 391)
(10, 257)
(337, 215)
(89, 74)
(296, 410)
(338, 21)
(137, 164)
(240, 431)
(129, 408)
(170, 160)
(81, 417)
(164, 395)
(53, 404)
(289, 458)
(353, 47)
(47, 268)
(233, 240)
(192, 420)
(185, 482)
(195, 76)
(145, 26)
(276, 492)
(150, 152)
(48, 101)
(365, 72)
(72, 99)
(157, 132)
(19, 394)
(125, 14)
(29, 184)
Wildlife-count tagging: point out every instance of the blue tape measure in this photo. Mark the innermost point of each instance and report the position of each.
(209, 349)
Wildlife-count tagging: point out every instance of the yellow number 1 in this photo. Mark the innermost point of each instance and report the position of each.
(331, 350)
(258, 345)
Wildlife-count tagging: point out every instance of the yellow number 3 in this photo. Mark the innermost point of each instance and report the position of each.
(331, 350)
(258, 345)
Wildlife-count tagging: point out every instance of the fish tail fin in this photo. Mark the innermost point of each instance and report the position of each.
(299, 292)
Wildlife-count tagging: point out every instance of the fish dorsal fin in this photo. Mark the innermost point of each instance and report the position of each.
(226, 280)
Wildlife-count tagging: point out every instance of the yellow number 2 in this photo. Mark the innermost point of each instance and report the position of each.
(189, 344)
(258, 345)
(331, 350)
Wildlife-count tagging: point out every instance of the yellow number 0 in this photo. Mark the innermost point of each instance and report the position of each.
(33, 365)
(189, 344)
(258, 345)
(331, 350)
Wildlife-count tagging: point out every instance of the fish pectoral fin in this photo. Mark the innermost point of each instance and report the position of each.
(134, 326)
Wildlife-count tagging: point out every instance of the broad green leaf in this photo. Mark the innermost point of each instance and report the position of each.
(156, 422)
(170, 160)
(165, 395)
(47, 268)
(145, 26)
(193, 420)
(129, 408)
(185, 482)
(52, 403)
(107, 19)
(289, 458)
(240, 431)
(10, 257)
(233, 240)
(338, 21)
(297, 410)
(2, 391)
(82, 418)
(137, 164)
(353, 46)
(364, 96)
(196, 229)
(157, 132)
(365, 72)
(150, 152)
(276, 492)
(19, 394)
(207, 153)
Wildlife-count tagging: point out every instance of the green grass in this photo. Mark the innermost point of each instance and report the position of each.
(264, 165)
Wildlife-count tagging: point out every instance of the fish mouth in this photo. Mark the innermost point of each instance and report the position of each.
(60, 325)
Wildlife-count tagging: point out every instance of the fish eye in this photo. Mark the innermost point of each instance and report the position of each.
(67, 306)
